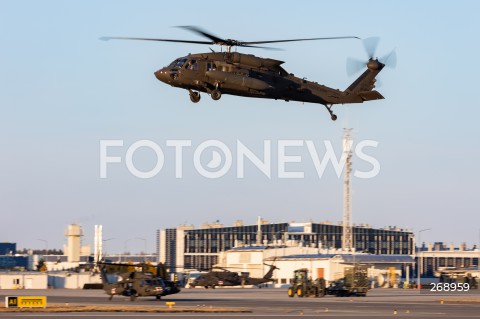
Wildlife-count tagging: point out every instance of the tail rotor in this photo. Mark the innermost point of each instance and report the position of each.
(370, 45)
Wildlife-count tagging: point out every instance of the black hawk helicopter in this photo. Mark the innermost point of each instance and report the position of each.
(146, 281)
(234, 73)
(224, 277)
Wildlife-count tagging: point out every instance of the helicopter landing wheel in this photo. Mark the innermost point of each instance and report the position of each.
(216, 94)
(195, 96)
(332, 115)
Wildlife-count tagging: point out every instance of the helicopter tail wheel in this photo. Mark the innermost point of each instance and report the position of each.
(332, 115)
(194, 96)
(216, 94)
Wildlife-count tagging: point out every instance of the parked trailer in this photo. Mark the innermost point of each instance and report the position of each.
(355, 283)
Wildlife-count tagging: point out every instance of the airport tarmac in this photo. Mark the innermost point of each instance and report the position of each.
(380, 303)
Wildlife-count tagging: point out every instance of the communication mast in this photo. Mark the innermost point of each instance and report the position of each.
(347, 238)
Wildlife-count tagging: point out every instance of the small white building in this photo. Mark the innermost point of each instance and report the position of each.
(23, 280)
(330, 264)
(72, 280)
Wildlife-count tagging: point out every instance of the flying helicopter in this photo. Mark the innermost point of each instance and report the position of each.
(148, 281)
(224, 277)
(227, 72)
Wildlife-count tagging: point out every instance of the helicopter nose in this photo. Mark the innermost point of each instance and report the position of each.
(162, 75)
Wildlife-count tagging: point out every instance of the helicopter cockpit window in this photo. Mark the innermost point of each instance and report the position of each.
(180, 63)
(282, 72)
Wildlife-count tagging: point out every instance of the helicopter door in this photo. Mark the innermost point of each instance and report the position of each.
(194, 65)
(191, 65)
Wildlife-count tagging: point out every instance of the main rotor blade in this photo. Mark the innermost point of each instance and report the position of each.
(258, 47)
(153, 39)
(370, 45)
(294, 40)
(221, 41)
(201, 32)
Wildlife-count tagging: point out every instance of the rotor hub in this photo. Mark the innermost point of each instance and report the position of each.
(375, 64)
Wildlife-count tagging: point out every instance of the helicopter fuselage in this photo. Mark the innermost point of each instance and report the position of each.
(246, 75)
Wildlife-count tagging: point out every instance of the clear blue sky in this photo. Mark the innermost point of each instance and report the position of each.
(62, 90)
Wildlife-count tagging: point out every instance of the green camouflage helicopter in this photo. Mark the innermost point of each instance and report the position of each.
(148, 281)
(224, 277)
(217, 73)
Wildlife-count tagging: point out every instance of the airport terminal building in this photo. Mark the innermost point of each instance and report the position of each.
(185, 247)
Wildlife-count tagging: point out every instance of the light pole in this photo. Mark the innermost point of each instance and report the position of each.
(420, 257)
(105, 240)
(125, 247)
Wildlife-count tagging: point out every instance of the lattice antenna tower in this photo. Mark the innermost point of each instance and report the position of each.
(347, 238)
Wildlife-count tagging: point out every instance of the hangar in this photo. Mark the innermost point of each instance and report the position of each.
(383, 270)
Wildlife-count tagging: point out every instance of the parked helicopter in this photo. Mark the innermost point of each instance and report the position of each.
(225, 277)
(136, 283)
(234, 73)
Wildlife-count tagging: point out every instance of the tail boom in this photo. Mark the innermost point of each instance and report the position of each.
(362, 89)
